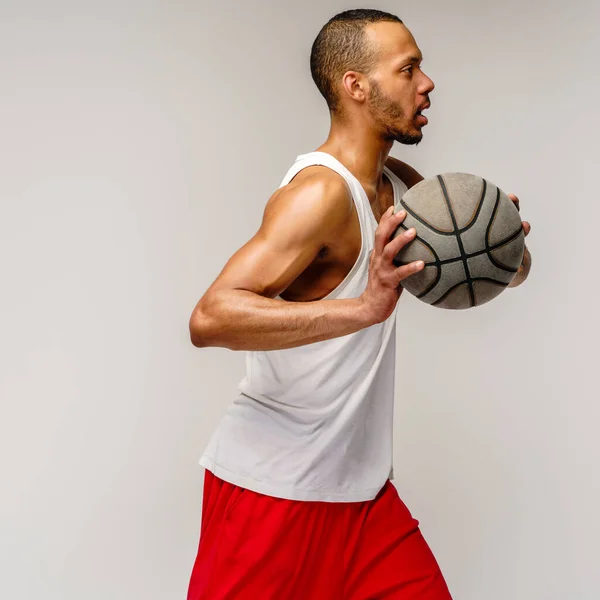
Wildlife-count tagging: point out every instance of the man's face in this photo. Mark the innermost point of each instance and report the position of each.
(398, 87)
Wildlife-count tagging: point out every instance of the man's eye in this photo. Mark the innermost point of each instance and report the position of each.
(407, 70)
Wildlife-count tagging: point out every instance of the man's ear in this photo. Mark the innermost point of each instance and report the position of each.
(355, 85)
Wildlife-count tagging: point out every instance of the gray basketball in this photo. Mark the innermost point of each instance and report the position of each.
(469, 235)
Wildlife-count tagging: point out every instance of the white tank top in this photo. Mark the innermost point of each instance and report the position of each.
(315, 422)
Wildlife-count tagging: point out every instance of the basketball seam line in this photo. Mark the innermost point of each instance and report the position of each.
(439, 262)
(493, 260)
(458, 239)
(489, 279)
(470, 224)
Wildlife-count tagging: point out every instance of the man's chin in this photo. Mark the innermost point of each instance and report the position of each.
(408, 139)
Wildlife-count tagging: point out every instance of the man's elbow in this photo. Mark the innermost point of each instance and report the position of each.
(212, 323)
(200, 329)
(195, 336)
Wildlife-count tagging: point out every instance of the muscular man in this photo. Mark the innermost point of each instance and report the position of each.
(298, 503)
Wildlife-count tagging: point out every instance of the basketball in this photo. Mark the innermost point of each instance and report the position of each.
(469, 235)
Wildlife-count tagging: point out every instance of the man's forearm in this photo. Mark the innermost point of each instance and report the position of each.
(243, 320)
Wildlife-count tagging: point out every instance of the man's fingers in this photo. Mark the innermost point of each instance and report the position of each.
(526, 228)
(515, 200)
(410, 269)
(403, 238)
(387, 225)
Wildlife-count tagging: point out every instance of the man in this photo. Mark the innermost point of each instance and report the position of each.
(297, 498)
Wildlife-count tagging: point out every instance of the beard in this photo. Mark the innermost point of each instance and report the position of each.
(388, 114)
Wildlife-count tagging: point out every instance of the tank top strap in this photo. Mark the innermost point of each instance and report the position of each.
(399, 187)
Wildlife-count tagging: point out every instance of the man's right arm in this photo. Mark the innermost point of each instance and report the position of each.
(239, 311)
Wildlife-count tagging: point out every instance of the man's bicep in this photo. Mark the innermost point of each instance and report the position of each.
(267, 264)
(296, 225)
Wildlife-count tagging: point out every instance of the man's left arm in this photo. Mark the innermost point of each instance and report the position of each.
(411, 177)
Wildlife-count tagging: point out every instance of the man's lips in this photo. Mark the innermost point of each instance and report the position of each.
(422, 118)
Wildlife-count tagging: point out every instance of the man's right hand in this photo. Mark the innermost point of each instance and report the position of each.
(383, 288)
(239, 311)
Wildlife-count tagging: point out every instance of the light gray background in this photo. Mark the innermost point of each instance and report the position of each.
(139, 142)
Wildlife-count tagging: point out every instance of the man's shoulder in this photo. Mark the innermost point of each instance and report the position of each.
(318, 176)
(315, 190)
(407, 174)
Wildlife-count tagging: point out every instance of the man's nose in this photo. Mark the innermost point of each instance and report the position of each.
(429, 86)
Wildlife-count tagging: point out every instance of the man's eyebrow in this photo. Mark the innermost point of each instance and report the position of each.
(410, 59)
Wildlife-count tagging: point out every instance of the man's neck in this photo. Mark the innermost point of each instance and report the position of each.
(362, 153)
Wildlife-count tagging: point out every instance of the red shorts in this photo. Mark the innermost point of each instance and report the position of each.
(257, 547)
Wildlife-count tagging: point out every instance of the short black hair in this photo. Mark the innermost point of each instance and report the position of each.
(340, 47)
